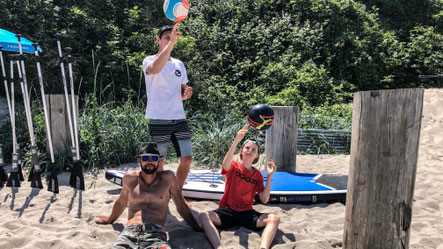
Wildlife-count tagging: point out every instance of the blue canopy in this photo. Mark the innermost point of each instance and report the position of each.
(10, 42)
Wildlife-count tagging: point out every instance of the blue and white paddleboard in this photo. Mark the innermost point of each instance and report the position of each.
(286, 187)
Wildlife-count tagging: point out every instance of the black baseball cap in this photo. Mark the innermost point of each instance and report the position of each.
(163, 29)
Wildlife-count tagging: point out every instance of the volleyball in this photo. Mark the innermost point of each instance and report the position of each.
(176, 10)
(260, 117)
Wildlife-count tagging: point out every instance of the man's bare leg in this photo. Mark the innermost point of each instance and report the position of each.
(270, 221)
(207, 219)
(183, 169)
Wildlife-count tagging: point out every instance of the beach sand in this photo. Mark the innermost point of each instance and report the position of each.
(33, 218)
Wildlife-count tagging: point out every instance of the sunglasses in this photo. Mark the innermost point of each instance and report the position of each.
(146, 157)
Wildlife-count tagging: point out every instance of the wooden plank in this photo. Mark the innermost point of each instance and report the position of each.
(384, 152)
(281, 138)
(58, 118)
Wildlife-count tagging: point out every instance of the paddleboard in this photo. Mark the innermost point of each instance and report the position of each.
(285, 188)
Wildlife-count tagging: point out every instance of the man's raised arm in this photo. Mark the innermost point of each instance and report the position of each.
(156, 66)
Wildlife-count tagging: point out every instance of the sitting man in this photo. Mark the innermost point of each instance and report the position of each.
(147, 191)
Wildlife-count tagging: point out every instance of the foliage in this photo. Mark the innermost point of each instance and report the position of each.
(110, 137)
(335, 117)
(309, 53)
(240, 52)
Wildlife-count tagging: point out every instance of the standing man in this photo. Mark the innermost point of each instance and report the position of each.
(166, 88)
(147, 192)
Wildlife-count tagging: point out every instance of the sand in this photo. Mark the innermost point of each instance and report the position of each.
(32, 218)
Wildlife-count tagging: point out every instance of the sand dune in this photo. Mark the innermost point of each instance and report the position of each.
(32, 218)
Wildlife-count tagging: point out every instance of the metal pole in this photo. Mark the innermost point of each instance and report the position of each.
(5, 81)
(45, 108)
(3, 174)
(62, 67)
(13, 180)
(35, 175)
(76, 179)
(53, 181)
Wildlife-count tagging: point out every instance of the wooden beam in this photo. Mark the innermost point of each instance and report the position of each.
(58, 118)
(281, 138)
(384, 152)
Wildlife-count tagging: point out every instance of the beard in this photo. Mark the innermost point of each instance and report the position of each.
(149, 171)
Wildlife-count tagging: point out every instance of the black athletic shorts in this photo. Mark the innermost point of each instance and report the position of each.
(230, 218)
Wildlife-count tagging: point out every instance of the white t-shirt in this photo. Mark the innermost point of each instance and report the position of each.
(164, 90)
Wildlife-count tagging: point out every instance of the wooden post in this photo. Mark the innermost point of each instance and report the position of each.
(281, 138)
(384, 152)
(58, 118)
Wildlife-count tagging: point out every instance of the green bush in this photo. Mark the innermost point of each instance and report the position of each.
(335, 117)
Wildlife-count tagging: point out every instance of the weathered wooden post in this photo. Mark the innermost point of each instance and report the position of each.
(384, 152)
(61, 139)
(281, 138)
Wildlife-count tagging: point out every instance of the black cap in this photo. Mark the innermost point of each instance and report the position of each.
(149, 148)
(163, 29)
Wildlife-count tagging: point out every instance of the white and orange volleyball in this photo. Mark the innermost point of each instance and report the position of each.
(176, 10)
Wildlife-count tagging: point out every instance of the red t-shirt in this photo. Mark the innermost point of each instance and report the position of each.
(241, 185)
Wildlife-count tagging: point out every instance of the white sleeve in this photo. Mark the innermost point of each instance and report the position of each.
(146, 61)
(185, 74)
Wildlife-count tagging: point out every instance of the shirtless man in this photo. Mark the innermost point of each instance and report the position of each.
(148, 193)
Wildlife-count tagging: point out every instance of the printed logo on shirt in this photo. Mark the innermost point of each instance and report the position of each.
(244, 178)
(178, 73)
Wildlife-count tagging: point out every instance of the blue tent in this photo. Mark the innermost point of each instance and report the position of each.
(10, 42)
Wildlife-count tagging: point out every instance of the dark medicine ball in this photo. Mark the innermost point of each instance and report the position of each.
(260, 117)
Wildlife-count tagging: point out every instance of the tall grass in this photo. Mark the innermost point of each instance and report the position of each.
(111, 136)
(212, 137)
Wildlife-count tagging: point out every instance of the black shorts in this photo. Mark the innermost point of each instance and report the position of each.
(230, 218)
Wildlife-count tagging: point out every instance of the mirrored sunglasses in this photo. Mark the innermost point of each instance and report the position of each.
(146, 158)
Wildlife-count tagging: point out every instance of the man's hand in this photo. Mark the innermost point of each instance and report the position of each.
(271, 168)
(102, 220)
(186, 91)
(175, 34)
